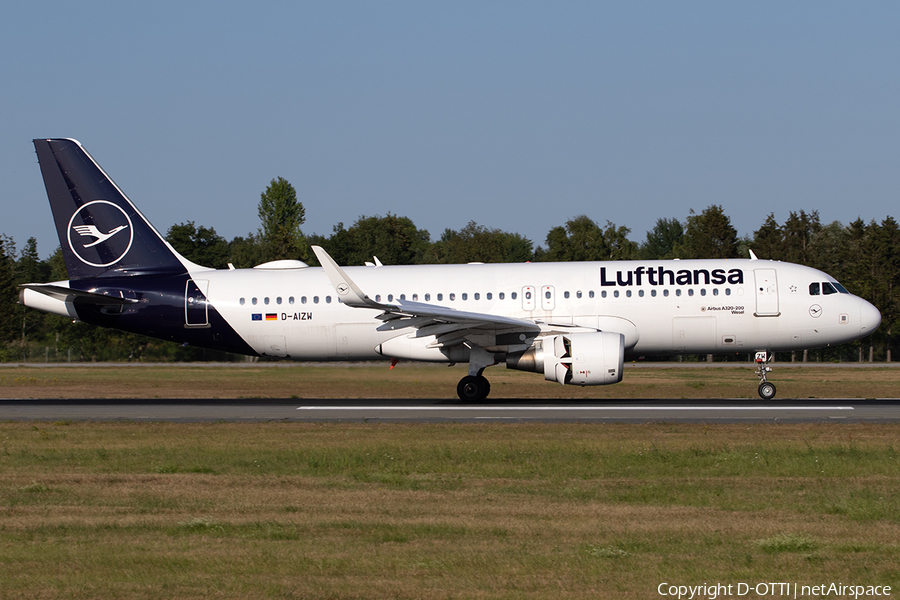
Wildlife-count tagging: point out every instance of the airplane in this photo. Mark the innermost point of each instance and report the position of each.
(575, 322)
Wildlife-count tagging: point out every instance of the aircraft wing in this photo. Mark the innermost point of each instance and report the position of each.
(421, 315)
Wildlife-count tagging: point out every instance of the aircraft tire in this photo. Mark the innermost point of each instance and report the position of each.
(767, 390)
(472, 388)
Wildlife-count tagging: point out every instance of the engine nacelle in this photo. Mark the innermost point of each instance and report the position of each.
(577, 359)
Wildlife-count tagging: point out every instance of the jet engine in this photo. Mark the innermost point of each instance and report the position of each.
(579, 359)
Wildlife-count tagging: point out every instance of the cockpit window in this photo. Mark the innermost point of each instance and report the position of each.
(814, 289)
(840, 288)
(827, 288)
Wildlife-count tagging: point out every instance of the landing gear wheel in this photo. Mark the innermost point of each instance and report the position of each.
(766, 390)
(473, 388)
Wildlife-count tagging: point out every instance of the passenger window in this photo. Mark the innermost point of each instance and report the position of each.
(814, 289)
(440, 297)
(427, 297)
(327, 299)
(715, 291)
(390, 297)
(703, 291)
(465, 296)
(403, 296)
(828, 289)
(727, 291)
(377, 298)
(489, 296)
(477, 296)
(591, 294)
(512, 295)
(566, 295)
(452, 297)
(242, 301)
(603, 294)
(528, 295)
(253, 301)
(616, 293)
(628, 293)
(690, 292)
(678, 292)
(302, 299)
(278, 300)
(501, 295)
(578, 294)
(641, 293)
(653, 293)
(291, 300)
(415, 297)
(315, 299)
(666, 293)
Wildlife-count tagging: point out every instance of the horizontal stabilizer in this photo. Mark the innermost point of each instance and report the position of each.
(65, 294)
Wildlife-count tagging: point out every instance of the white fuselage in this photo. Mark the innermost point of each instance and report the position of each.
(661, 307)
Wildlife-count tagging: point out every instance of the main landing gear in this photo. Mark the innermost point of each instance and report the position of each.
(766, 389)
(474, 387)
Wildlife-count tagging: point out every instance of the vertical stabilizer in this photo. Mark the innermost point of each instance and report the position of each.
(101, 232)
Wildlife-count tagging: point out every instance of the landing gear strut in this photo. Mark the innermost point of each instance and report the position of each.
(766, 389)
(474, 387)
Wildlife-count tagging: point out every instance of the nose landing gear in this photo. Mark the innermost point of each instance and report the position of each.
(766, 389)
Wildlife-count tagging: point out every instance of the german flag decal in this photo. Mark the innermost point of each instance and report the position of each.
(271, 316)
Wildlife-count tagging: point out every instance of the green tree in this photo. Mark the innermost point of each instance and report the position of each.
(394, 240)
(768, 240)
(57, 265)
(710, 235)
(799, 231)
(281, 216)
(662, 240)
(30, 268)
(476, 243)
(582, 239)
(8, 312)
(246, 252)
(200, 245)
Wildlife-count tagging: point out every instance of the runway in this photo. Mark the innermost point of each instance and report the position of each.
(438, 411)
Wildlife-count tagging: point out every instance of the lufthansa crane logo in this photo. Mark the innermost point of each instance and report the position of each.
(100, 233)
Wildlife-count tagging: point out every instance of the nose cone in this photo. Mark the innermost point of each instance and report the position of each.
(869, 318)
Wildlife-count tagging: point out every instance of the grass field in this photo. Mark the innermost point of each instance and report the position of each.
(341, 511)
(410, 380)
(112, 510)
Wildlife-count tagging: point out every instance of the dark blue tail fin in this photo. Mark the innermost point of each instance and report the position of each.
(101, 232)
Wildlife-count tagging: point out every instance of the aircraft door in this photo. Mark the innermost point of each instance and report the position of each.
(766, 293)
(196, 312)
(528, 297)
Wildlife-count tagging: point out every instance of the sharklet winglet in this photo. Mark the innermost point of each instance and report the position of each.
(348, 292)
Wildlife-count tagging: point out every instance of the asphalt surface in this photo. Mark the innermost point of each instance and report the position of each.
(436, 411)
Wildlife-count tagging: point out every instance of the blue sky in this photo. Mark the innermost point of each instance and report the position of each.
(517, 115)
